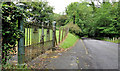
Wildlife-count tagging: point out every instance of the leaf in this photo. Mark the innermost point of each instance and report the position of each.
(3, 33)
(13, 16)
(8, 18)
(7, 32)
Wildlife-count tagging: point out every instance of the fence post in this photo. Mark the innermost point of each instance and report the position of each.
(42, 38)
(54, 33)
(59, 34)
(65, 32)
(21, 44)
(48, 33)
(62, 33)
(42, 35)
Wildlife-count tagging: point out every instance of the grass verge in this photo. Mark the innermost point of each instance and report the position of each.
(114, 41)
(69, 41)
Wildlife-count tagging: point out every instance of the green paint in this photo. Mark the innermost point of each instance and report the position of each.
(21, 47)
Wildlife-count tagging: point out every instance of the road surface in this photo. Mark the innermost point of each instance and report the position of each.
(86, 54)
(104, 55)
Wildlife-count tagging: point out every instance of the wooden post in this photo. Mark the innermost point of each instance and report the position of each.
(59, 34)
(62, 33)
(55, 38)
(54, 33)
(65, 32)
(21, 44)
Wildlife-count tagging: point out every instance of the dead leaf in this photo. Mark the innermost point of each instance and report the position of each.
(54, 57)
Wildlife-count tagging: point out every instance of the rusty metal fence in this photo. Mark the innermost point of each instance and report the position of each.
(40, 38)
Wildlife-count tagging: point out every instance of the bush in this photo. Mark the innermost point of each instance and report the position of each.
(74, 28)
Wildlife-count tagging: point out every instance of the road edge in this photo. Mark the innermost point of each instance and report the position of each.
(86, 50)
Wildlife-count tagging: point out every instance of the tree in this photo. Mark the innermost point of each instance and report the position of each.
(61, 20)
(80, 14)
(41, 11)
(95, 21)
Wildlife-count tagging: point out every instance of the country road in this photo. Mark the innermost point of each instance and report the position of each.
(104, 55)
(86, 54)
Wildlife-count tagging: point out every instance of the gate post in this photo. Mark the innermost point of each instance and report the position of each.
(21, 43)
(54, 33)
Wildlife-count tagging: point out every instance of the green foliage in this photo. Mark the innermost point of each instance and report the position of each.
(80, 14)
(11, 16)
(61, 20)
(40, 11)
(106, 20)
(93, 21)
(74, 28)
(10, 33)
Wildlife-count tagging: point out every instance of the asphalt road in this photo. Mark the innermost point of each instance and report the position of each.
(104, 55)
(86, 54)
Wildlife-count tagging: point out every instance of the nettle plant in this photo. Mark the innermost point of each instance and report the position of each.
(11, 15)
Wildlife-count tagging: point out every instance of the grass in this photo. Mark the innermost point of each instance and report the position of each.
(111, 40)
(115, 40)
(69, 41)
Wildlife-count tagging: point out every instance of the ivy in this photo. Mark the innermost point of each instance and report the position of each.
(10, 32)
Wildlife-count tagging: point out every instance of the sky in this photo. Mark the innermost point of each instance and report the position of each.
(60, 5)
